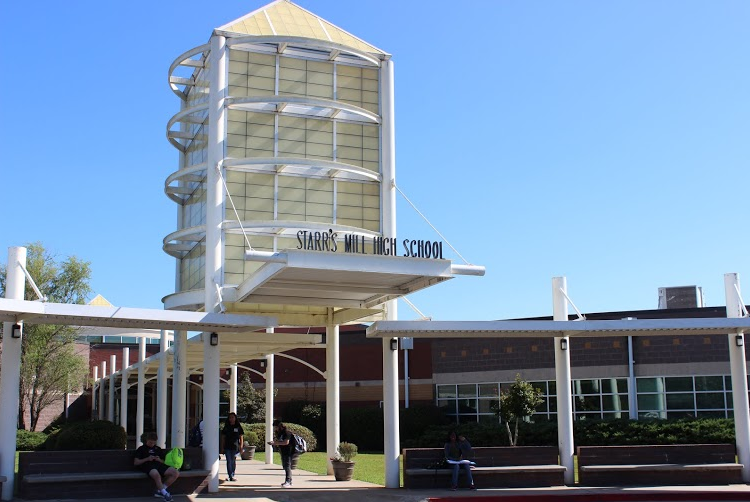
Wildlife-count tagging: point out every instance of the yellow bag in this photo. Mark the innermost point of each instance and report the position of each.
(174, 458)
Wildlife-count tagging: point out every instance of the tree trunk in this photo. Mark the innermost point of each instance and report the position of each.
(21, 410)
(510, 435)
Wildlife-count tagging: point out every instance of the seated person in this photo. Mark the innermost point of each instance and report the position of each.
(149, 458)
(457, 452)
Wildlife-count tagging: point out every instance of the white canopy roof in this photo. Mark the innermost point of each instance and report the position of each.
(536, 329)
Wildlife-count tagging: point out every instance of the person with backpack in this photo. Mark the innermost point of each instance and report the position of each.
(285, 442)
(232, 437)
(149, 458)
(196, 435)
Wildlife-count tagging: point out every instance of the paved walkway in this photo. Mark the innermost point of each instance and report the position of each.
(260, 482)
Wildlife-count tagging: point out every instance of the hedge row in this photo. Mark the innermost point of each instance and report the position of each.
(587, 433)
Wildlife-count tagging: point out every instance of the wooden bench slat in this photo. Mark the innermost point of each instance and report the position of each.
(658, 464)
(90, 476)
(499, 466)
(662, 467)
(98, 474)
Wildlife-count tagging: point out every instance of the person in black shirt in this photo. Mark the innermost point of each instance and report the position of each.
(283, 441)
(149, 458)
(232, 437)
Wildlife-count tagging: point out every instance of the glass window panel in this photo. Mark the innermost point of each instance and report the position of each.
(447, 407)
(709, 400)
(485, 405)
(446, 391)
(680, 401)
(467, 405)
(488, 390)
(616, 415)
(466, 419)
(678, 384)
(488, 419)
(728, 382)
(712, 414)
(652, 414)
(650, 402)
(679, 414)
(467, 390)
(587, 403)
(709, 383)
(540, 385)
(586, 386)
(649, 384)
(552, 386)
(615, 402)
(614, 385)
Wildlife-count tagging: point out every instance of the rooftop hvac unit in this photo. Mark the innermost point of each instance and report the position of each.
(681, 297)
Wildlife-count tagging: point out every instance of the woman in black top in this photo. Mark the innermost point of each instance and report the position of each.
(283, 441)
(232, 437)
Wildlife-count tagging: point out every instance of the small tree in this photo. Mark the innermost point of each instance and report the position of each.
(518, 402)
(50, 365)
(251, 403)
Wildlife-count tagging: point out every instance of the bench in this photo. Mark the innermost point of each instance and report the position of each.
(497, 467)
(688, 464)
(98, 474)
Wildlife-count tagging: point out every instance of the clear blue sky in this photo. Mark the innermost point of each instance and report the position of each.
(604, 141)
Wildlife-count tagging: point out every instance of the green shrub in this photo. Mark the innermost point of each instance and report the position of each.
(251, 438)
(29, 441)
(96, 435)
(260, 431)
(587, 433)
(346, 451)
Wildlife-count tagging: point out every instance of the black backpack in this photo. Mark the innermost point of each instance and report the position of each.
(299, 444)
(195, 438)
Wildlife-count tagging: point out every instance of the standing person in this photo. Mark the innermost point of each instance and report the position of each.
(457, 452)
(283, 441)
(232, 437)
(150, 459)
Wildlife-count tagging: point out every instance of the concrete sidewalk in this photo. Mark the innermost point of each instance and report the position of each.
(260, 482)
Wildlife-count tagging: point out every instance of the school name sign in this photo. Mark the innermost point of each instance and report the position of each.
(361, 244)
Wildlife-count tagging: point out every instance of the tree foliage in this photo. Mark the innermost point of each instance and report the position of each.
(50, 365)
(251, 403)
(516, 403)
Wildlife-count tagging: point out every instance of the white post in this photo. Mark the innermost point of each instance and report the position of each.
(124, 389)
(161, 392)
(233, 388)
(388, 193)
(94, 389)
(269, 404)
(101, 390)
(214, 259)
(738, 363)
(179, 389)
(563, 379)
(10, 372)
(111, 405)
(333, 390)
(141, 395)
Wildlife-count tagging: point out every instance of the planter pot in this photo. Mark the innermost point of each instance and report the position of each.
(247, 452)
(342, 471)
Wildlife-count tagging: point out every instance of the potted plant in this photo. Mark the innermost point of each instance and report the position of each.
(343, 467)
(248, 448)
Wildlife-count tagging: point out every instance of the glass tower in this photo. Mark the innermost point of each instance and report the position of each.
(284, 135)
